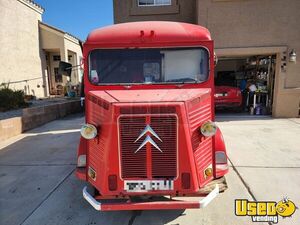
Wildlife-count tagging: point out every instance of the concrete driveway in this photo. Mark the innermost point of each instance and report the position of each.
(38, 186)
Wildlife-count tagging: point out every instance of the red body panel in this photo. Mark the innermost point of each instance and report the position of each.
(157, 205)
(192, 108)
(226, 96)
(220, 169)
(121, 112)
(150, 34)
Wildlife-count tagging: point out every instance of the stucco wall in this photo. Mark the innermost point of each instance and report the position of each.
(259, 23)
(21, 57)
(51, 39)
(57, 42)
(75, 49)
(181, 11)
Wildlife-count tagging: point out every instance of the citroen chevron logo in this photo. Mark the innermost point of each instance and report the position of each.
(148, 130)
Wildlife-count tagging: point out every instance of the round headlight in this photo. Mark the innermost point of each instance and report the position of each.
(88, 131)
(208, 129)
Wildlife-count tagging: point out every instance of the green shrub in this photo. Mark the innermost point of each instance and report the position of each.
(11, 99)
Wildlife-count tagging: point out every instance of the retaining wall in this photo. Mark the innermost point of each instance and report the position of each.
(37, 116)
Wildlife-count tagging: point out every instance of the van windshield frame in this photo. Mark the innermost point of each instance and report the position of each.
(141, 66)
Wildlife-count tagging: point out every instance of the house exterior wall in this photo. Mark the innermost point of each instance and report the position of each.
(180, 10)
(75, 51)
(21, 56)
(259, 26)
(55, 42)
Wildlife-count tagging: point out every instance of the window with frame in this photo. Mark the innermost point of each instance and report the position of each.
(56, 58)
(154, 2)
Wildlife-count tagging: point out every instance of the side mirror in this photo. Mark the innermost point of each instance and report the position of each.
(65, 68)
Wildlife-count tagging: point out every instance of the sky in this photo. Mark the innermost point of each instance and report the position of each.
(77, 17)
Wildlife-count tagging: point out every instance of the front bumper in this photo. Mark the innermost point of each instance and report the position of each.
(227, 104)
(152, 205)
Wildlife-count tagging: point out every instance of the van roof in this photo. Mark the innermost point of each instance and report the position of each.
(148, 33)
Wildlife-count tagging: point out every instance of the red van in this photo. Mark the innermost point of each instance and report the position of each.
(150, 131)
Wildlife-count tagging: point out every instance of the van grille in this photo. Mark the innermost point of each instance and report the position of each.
(148, 110)
(148, 162)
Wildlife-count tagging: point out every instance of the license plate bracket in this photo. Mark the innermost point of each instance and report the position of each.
(148, 185)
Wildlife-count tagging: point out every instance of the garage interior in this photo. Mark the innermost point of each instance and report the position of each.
(245, 85)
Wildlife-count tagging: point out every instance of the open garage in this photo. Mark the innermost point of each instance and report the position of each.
(245, 84)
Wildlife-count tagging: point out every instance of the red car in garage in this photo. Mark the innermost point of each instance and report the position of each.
(228, 97)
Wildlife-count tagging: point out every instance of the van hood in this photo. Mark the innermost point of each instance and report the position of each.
(152, 95)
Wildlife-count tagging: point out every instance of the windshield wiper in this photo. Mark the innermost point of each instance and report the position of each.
(183, 80)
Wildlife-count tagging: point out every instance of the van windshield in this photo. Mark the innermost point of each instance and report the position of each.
(147, 66)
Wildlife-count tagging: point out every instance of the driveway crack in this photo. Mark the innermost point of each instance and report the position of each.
(48, 195)
(242, 179)
(244, 183)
